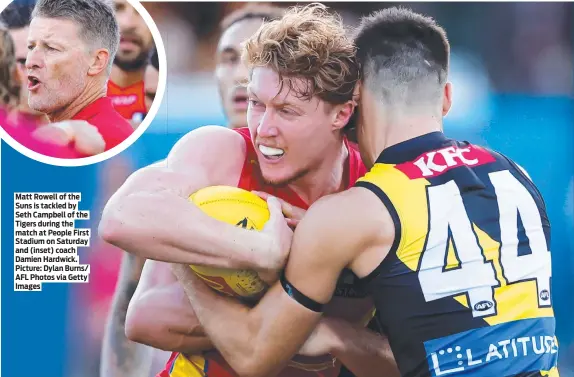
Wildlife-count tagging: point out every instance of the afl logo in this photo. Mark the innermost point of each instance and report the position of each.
(544, 295)
(246, 223)
(483, 305)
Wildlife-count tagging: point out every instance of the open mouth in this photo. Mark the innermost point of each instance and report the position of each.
(33, 83)
(270, 153)
(129, 42)
(240, 100)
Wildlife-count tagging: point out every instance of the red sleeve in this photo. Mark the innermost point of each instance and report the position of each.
(114, 130)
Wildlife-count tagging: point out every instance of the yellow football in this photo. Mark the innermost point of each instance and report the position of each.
(241, 208)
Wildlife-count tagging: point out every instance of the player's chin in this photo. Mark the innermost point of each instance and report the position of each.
(275, 176)
(38, 104)
(128, 56)
(237, 119)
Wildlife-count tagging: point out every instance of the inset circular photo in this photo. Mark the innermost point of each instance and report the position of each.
(80, 80)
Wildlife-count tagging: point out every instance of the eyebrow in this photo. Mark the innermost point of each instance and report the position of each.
(47, 40)
(274, 101)
(251, 92)
(228, 50)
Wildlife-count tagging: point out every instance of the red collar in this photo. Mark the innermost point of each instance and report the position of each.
(101, 105)
(124, 88)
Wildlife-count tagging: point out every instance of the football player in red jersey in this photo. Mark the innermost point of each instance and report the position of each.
(120, 356)
(126, 86)
(294, 149)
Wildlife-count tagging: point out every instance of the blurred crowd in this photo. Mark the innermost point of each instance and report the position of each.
(520, 47)
(512, 70)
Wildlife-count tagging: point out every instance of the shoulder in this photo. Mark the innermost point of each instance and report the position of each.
(218, 140)
(217, 150)
(506, 160)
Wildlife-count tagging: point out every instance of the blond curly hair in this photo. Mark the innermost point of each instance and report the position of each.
(311, 43)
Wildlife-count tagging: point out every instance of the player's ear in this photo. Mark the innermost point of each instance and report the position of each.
(447, 98)
(99, 61)
(342, 113)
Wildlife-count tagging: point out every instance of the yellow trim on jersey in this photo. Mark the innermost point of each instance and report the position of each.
(515, 301)
(367, 318)
(409, 198)
(193, 366)
(550, 373)
(410, 201)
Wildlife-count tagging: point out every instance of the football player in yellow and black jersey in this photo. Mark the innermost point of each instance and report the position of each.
(451, 239)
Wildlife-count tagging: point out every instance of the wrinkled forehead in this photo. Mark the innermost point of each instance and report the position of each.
(61, 30)
(267, 85)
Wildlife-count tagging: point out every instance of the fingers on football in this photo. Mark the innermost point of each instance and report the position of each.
(286, 208)
(274, 206)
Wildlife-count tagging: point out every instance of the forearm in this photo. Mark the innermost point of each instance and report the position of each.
(365, 353)
(120, 356)
(233, 340)
(164, 319)
(165, 227)
(256, 341)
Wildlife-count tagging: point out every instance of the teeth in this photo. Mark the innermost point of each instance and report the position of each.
(268, 151)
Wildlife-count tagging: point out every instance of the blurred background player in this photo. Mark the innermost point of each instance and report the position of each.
(230, 72)
(71, 46)
(16, 17)
(126, 86)
(120, 356)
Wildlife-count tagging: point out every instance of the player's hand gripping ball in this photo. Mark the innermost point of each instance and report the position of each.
(240, 208)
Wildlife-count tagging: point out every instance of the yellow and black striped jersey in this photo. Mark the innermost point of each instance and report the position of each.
(466, 288)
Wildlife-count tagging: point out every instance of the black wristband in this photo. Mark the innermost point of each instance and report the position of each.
(300, 297)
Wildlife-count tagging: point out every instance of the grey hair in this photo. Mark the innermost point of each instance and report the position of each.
(96, 19)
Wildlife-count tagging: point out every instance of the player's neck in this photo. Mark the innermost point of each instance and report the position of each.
(327, 178)
(93, 91)
(123, 78)
(403, 128)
